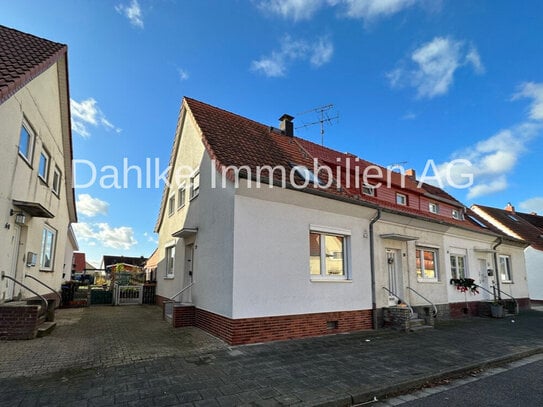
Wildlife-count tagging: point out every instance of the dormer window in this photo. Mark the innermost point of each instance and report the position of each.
(401, 199)
(433, 207)
(368, 190)
(456, 214)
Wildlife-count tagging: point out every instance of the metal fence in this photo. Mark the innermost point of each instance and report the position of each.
(128, 294)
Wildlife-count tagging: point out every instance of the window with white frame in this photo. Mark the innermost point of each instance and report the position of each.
(401, 199)
(181, 196)
(328, 254)
(195, 185)
(26, 142)
(43, 168)
(171, 205)
(56, 181)
(426, 259)
(458, 266)
(456, 214)
(368, 190)
(505, 268)
(433, 207)
(47, 249)
(170, 261)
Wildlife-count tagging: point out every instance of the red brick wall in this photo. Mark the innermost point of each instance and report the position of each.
(265, 329)
(18, 322)
(456, 309)
(183, 316)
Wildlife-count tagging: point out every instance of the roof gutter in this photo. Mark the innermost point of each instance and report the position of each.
(372, 269)
(498, 243)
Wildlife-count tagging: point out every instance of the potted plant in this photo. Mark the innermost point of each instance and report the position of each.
(497, 310)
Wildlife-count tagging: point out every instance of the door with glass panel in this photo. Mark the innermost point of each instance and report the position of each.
(394, 268)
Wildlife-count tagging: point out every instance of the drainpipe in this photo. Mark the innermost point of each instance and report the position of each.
(499, 242)
(372, 269)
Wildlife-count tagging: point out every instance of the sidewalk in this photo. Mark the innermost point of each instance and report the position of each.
(127, 356)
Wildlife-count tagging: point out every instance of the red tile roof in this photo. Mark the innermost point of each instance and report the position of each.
(22, 58)
(233, 140)
(527, 226)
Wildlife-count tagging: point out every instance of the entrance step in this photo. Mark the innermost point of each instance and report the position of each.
(420, 328)
(46, 328)
(418, 324)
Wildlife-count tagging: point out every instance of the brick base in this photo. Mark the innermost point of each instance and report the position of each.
(18, 322)
(266, 329)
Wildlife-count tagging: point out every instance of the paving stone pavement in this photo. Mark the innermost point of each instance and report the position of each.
(128, 356)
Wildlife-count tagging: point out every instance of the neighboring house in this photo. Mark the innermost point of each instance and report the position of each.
(525, 226)
(79, 263)
(151, 266)
(307, 252)
(110, 261)
(37, 197)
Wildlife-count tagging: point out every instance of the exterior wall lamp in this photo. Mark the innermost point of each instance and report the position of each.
(20, 217)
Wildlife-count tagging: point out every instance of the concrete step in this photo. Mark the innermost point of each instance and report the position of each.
(416, 322)
(45, 328)
(420, 328)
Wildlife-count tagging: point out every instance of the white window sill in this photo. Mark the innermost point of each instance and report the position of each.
(507, 282)
(428, 281)
(169, 278)
(330, 280)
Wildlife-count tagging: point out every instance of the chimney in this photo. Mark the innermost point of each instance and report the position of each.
(533, 213)
(411, 173)
(286, 125)
(510, 208)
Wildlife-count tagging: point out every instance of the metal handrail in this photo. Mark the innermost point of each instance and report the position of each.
(45, 285)
(425, 299)
(181, 292)
(510, 296)
(411, 312)
(46, 305)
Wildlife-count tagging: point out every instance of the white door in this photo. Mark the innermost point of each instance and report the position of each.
(188, 277)
(483, 280)
(394, 267)
(8, 286)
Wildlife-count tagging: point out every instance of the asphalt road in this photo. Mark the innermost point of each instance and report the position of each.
(519, 386)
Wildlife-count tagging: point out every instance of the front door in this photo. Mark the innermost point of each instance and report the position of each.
(188, 277)
(394, 267)
(8, 286)
(483, 280)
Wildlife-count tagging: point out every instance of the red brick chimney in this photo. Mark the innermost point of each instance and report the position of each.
(411, 173)
(286, 125)
(510, 208)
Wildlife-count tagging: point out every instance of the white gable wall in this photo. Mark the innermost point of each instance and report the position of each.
(534, 270)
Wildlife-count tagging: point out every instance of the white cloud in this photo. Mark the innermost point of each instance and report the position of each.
(366, 10)
(496, 185)
(276, 64)
(183, 74)
(150, 238)
(132, 12)
(532, 205)
(89, 206)
(433, 65)
(86, 113)
(292, 9)
(535, 92)
(102, 233)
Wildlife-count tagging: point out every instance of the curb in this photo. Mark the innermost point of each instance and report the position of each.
(366, 397)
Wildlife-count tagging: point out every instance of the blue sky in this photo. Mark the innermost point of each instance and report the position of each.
(411, 81)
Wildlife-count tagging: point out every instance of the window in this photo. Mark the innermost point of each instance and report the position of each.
(433, 207)
(307, 175)
(505, 268)
(426, 264)
(476, 221)
(43, 169)
(512, 217)
(56, 181)
(458, 266)
(401, 199)
(368, 190)
(171, 205)
(47, 249)
(195, 185)
(26, 142)
(170, 261)
(328, 255)
(181, 193)
(456, 214)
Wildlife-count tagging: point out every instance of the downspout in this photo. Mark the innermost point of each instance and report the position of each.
(372, 270)
(497, 275)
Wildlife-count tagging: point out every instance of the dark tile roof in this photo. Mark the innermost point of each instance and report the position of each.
(233, 140)
(22, 58)
(527, 226)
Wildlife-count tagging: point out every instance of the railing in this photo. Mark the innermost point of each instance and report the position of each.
(46, 286)
(45, 303)
(434, 314)
(494, 295)
(411, 312)
(181, 292)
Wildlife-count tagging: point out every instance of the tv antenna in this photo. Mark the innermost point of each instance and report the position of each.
(324, 118)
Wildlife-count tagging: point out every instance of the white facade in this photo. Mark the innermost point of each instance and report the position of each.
(534, 271)
(42, 108)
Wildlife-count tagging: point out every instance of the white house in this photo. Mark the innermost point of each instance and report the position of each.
(36, 195)
(525, 226)
(265, 236)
